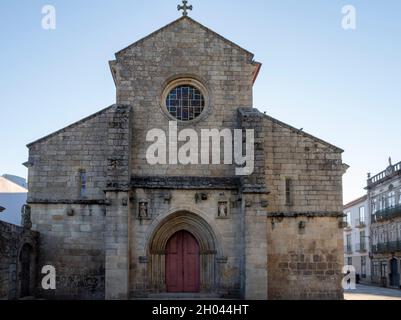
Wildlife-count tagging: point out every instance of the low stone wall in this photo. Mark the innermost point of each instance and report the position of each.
(12, 239)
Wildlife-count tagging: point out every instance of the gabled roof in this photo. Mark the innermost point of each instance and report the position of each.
(7, 186)
(356, 201)
(230, 43)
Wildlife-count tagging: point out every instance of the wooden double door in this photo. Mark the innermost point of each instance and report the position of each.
(182, 263)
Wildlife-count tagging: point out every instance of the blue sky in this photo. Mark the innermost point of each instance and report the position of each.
(342, 86)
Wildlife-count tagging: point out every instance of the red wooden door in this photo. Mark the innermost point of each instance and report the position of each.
(182, 263)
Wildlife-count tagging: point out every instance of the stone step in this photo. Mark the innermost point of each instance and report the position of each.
(183, 296)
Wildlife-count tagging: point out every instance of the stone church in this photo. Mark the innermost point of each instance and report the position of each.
(115, 226)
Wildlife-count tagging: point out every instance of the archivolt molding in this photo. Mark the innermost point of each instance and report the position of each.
(184, 218)
(165, 226)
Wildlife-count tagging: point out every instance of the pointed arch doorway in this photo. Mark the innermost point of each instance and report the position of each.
(182, 263)
(201, 239)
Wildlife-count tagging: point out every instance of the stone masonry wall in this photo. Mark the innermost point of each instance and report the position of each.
(182, 49)
(315, 167)
(55, 161)
(12, 238)
(72, 225)
(72, 240)
(307, 264)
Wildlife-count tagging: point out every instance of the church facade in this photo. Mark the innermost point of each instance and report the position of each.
(117, 226)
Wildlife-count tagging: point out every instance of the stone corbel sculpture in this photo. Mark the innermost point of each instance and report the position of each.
(70, 212)
(167, 197)
(201, 197)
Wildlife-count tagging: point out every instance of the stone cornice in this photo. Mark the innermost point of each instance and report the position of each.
(308, 214)
(66, 201)
(194, 183)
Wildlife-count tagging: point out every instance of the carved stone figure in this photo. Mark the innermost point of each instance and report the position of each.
(223, 209)
(143, 210)
(26, 217)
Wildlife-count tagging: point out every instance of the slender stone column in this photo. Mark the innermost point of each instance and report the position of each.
(117, 220)
(255, 250)
(255, 190)
(116, 247)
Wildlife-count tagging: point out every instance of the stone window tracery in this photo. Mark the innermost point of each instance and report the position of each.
(185, 102)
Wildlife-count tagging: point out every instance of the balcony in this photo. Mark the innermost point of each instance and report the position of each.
(360, 224)
(386, 214)
(361, 247)
(348, 249)
(387, 247)
(346, 225)
(391, 171)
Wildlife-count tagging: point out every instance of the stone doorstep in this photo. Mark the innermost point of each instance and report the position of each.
(182, 296)
(28, 298)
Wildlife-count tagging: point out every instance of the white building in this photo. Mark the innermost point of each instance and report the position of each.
(356, 237)
(384, 196)
(12, 197)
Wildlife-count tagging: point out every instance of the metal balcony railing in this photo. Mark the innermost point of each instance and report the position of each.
(347, 225)
(348, 249)
(361, 247)
(360, 223)
(388, 213)
(387, 247)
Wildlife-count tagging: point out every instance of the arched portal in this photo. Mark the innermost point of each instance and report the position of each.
(26, 270)
(204, 236)
(182, 263)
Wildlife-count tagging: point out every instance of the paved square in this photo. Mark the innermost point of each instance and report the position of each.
(364, 292)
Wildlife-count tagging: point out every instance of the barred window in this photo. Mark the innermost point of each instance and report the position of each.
(185, 102)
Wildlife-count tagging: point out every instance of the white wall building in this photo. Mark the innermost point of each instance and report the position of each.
(356, 237)
(384, 196)
(12, 197)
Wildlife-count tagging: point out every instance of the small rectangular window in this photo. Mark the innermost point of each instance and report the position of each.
(82, 183)
(288, 192)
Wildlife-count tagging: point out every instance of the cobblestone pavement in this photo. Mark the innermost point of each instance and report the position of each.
(364, 292)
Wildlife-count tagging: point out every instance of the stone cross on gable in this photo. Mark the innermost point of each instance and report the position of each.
(184, 8)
